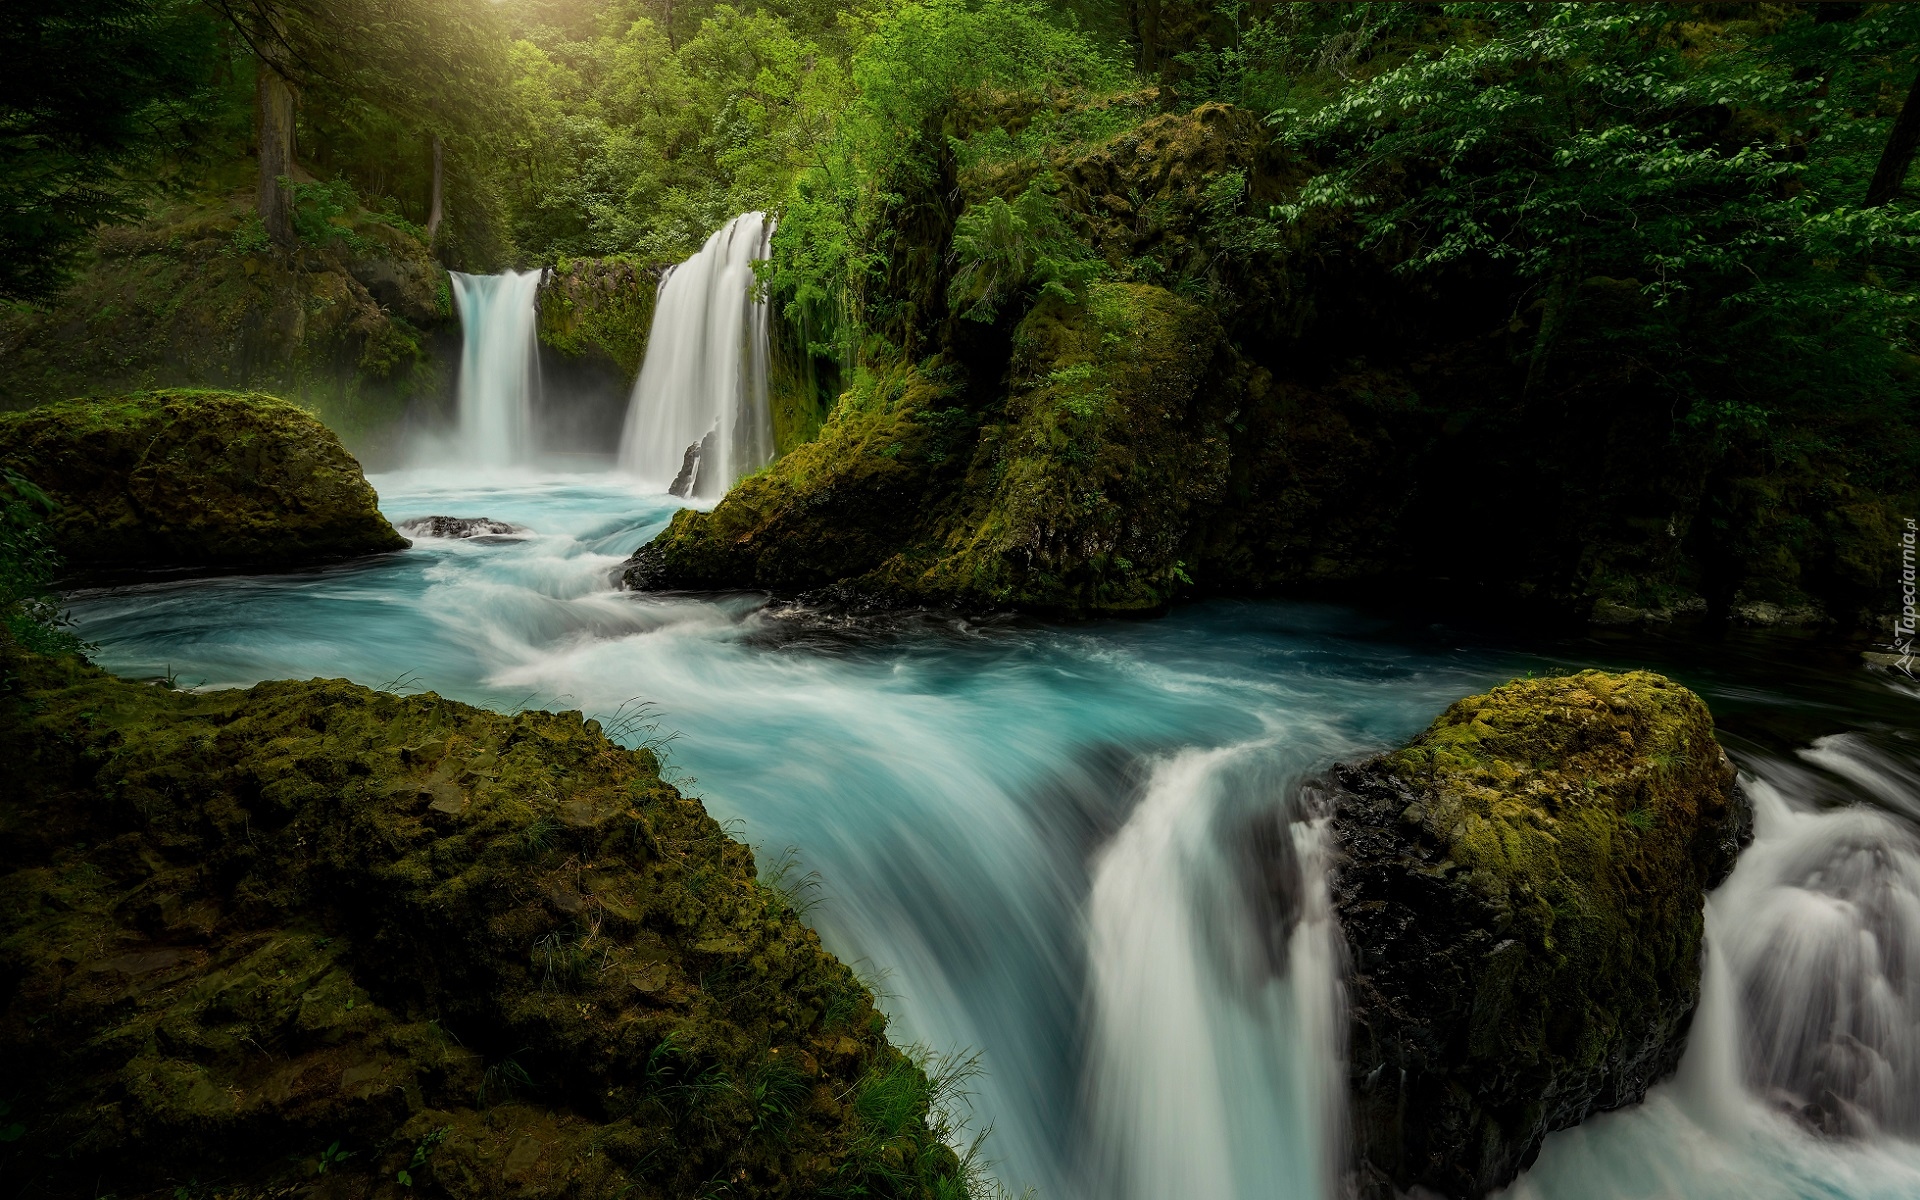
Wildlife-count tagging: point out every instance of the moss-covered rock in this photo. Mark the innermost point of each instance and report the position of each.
(311, 935)
(599, 308)
(195, 296)
(194, 478)
(1521, 890)
(1076, 494)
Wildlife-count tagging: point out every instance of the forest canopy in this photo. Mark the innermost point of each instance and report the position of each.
(1739, 168)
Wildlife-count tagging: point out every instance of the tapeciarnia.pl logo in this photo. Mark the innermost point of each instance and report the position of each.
(1903, 625)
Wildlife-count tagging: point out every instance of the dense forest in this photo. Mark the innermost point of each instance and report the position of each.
(1621, 293)
(1489, 323)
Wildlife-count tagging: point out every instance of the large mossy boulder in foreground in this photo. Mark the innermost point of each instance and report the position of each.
(1521, 890)
(1073, 495)
(195, 479)
(311, 936)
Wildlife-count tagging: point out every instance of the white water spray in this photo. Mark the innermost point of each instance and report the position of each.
(1215, 1060)
(699, 418)
(499, 370)
(1802, 1075)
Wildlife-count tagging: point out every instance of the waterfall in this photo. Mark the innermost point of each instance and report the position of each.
(1215, 1068)
(699, 418)
(499, 371)
(1818, 941)
(1802, 1073)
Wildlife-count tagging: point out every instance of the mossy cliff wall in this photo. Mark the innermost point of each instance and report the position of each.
(195, 297)
(1375, 427)
(313, 936)
(599, 309)
(1074, 496)
(195, 479)
(1521, 891)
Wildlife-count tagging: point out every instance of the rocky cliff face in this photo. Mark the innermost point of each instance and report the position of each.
(311, 936)
(1372, 426)
(189, 478)
(1521, 891)
(1075, 496)
(195, 297)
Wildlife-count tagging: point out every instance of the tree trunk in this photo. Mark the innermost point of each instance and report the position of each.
(273, 110)
(434, 208)
(1898, 156)
(1144, 18)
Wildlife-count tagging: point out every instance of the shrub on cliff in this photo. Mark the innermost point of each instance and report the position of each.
(30, 614)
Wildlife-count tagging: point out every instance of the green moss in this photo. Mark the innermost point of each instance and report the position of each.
(600, 306)
(188, 477)
(190, 298)
(1522, 890)
(253, 933)
(1073, 497)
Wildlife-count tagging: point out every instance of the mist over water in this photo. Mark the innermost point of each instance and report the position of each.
(1039, 842)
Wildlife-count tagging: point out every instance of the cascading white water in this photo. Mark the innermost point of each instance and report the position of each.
(1802, 1075)
(699, 418)
(499, 370)
(1214, 1067)
(1820, 940)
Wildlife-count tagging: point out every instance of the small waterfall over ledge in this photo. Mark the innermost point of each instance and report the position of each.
(699, 418)
(499, 370)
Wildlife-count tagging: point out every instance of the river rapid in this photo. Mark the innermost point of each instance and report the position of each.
(1035, 840)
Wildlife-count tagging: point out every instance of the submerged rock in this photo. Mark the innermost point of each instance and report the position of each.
(1521, 891)
(248, 937)
(458, 527)
(189, 478)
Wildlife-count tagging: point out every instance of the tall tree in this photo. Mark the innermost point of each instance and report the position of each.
(1897, 159)
(431, 62)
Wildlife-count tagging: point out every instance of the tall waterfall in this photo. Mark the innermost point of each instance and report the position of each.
(699, 418)
(499, 371)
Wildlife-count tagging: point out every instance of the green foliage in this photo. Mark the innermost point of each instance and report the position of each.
(926, 84)
(1255, 66)
(1003, 250)
(1716, 171)
(30, 611)
(630, 143)
(422, 1151)
(332, 1157)
(95, 101)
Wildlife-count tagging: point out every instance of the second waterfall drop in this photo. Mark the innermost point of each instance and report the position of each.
(699, 417)
(499, 368)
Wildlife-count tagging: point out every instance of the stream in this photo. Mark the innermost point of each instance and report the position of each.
(1035, 840)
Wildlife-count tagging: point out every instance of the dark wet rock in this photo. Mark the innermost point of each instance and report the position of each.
(241, 929)
(688, 477)
(191, 478)
(458, 527)
(1521, 891)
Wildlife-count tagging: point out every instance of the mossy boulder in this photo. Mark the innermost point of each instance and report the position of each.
(599, 309)
(312, 936)
(1521, 890)
(1074, 496)
(188, 478)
